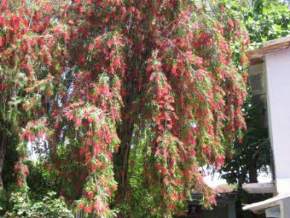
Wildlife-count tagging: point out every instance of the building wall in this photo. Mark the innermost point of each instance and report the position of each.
(278, 92)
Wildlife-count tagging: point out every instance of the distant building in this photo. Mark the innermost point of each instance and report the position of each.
(225, 207)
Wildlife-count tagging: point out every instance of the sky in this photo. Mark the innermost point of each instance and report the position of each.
(213, 179)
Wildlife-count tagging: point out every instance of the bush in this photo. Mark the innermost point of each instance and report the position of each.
(49, 207)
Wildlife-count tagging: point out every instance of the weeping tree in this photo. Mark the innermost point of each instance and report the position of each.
(124, 100)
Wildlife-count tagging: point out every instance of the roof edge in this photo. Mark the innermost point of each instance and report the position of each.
(259, 188)
(262, 205)
(271, 46)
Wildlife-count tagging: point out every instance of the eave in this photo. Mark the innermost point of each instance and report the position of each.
(257, 55)
(263, 205)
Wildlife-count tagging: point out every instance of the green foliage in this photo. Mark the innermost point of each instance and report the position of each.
(40, 180)
(253, 153)
(11, 158)
(49, 207)
(30, 203)
(264, 19)
(142, 201)
(267, 20)
(3, 201)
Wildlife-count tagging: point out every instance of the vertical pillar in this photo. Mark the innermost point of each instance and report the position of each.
(232, 210)
(285, 208)
(278, 94)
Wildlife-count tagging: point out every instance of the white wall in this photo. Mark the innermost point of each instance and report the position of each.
(278, 93)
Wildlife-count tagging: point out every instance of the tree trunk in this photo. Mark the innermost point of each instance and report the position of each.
(122, 162)
(2, 157)
(253, 175)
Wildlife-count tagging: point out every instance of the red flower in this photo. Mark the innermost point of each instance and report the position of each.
(98, 42)
(81, 205)
(174, 70)
(15, 22)
(4, 5)
(116, 62)
(2, 41)
(220, 160)
(97, 149)
(193, 153)
(2, 87)
(88, 209)
(78, 122)
(2, 20)
(90, 195)
(90, 119)
(206, 150)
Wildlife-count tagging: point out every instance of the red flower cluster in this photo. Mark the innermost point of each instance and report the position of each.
(110, 74)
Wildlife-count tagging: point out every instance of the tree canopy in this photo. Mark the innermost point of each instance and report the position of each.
(265, 20)
(120, 96)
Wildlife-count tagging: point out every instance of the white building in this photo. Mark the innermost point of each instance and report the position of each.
(271, 64)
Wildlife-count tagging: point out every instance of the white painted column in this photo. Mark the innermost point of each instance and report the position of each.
(278, 94)
(285, 208)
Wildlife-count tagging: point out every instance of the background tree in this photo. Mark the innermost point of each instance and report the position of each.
(118, 96)
(264, 20)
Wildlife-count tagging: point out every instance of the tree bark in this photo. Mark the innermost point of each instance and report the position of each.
(122, 160)
(253, 175)
(2, 157)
